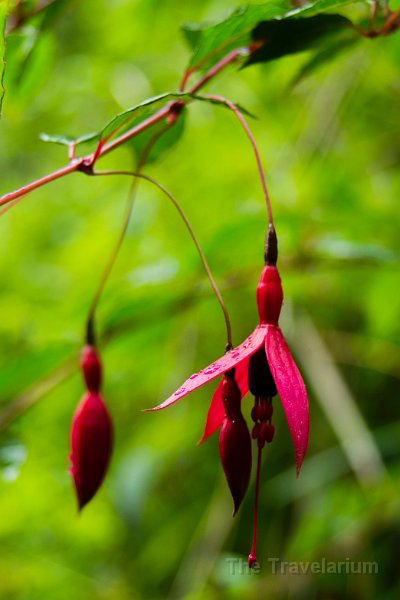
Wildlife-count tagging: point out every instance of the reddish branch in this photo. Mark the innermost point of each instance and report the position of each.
(171, 112)
(168, 113)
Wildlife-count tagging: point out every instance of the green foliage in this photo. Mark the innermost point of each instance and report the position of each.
(131, 117)
(161, 526)
(3, 11)
(279, 22)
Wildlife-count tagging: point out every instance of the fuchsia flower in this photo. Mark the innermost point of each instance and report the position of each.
(91, 432)
(263, 365)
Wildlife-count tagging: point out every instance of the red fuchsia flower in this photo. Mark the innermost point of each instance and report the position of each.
(91, 432)
(263, 365)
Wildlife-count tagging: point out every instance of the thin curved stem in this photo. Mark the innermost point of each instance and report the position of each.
(236, 111)
(189, 227)
(90, 333)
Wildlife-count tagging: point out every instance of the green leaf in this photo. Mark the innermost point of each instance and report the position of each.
(164, 143)
(144, 110)
(29, 57)
(31, 47)
(213, 42)
(127, 119)
(117, 125)
(192, 34)
(66, 140)
(3, 12)
(132, 116)
(290, 36)
(324, 54)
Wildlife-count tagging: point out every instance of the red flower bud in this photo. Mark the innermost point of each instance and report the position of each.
(235, 453)
(91, 444)
(91, 368)
(234, 443)
(269, 296)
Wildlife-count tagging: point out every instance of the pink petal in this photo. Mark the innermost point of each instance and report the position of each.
(291, 390)
(216, 411)
(223, 364)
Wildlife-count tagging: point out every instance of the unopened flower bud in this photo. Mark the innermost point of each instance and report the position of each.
(91, 444)
(235, 453)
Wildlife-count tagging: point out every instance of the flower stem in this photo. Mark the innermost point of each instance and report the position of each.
(90, 330)
(236, 111)
(189, 227)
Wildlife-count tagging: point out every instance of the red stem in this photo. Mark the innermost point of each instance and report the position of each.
(216, 69)
(42, 181)
(88, 161)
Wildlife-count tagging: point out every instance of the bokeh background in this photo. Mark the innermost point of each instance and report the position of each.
(161, 525)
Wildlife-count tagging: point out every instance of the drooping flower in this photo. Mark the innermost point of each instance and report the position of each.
(264, 366)
(91, 432)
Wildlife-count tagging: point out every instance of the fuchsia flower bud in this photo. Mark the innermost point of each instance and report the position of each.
(269, 293)
(234, 442)
(91, 433)
(91, 444)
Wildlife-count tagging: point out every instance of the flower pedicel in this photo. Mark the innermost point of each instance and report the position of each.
(263, 365)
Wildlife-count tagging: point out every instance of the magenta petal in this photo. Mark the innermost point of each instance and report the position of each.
(291, 390)
(223, 364)
(216, 411)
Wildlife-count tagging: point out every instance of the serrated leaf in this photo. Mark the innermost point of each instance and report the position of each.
(293, 35)
(215, 41)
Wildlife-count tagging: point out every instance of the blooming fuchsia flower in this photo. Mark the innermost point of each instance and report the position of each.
(263, 365)
(91, 433)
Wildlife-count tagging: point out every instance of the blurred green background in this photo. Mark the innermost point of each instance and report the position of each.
(161, 525)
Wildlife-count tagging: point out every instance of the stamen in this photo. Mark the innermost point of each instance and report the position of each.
(263, 432)
(252, 556)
